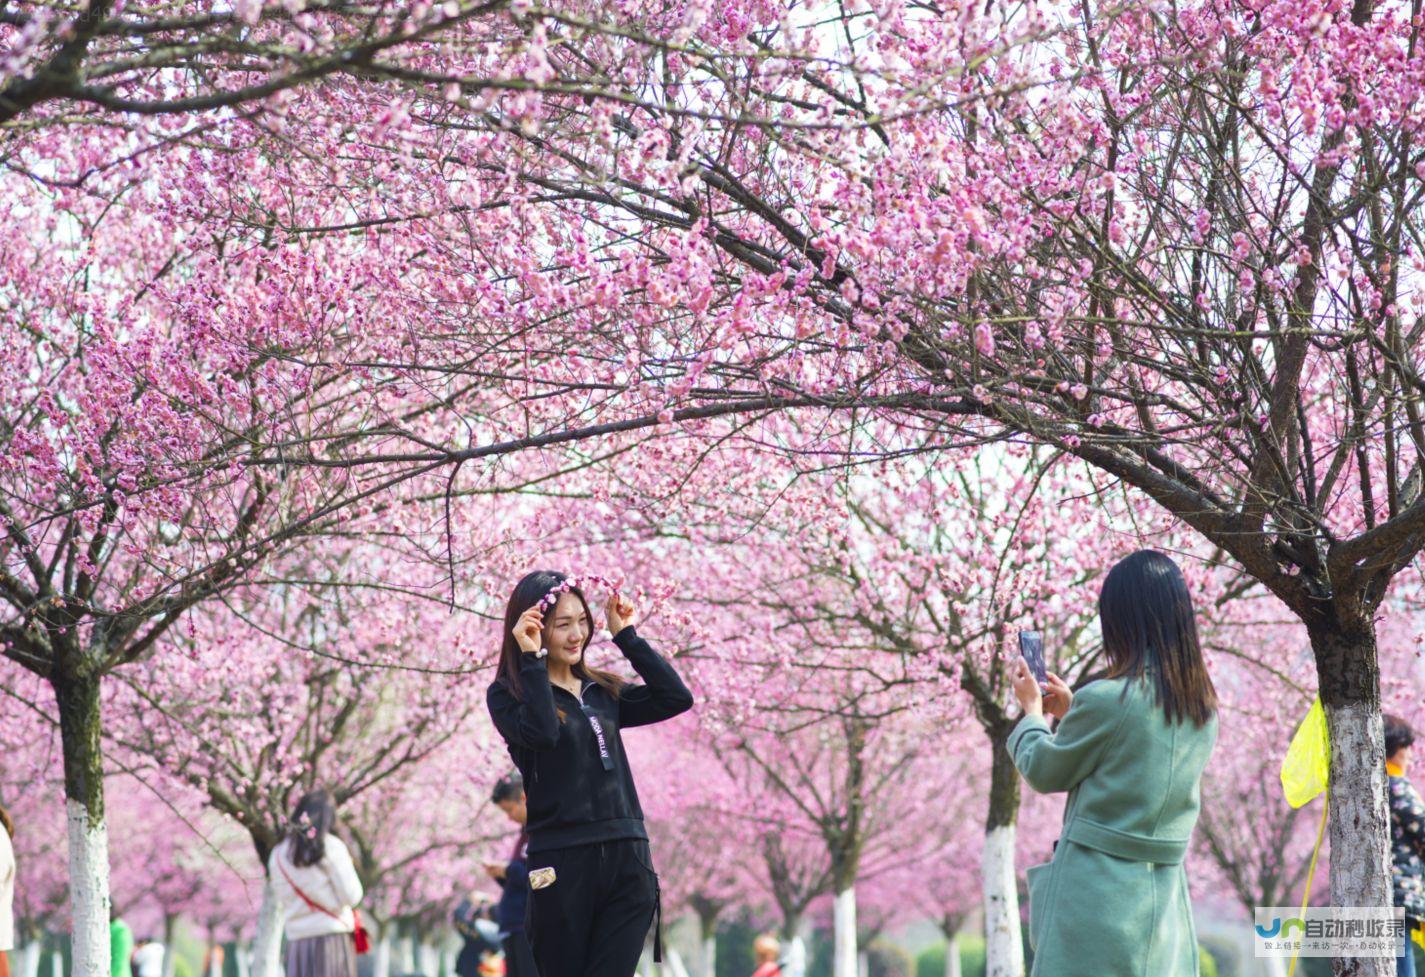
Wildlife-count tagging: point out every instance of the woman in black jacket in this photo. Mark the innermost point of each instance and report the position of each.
(593, 891)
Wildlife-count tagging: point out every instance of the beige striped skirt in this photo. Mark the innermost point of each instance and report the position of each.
(322, 956)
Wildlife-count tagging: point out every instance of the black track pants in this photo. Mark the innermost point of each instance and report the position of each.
(592, 922)
(519, 961)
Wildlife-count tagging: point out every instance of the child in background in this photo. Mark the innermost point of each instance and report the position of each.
(767, 951)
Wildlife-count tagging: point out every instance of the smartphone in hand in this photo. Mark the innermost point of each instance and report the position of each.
(1031, 649)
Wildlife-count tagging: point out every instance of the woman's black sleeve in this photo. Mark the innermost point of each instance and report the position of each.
(661, 695)
(530, 722)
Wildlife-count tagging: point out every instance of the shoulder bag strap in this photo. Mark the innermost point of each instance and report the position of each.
(318, 907)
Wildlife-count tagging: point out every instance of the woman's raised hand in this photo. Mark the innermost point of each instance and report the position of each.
(1026, 688)
(620, 613)
(1058, 697)
(528, 628)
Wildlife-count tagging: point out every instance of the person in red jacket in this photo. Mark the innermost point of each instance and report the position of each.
(768, 953)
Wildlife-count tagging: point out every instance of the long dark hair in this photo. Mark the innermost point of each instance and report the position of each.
(312, 820)
(1148, 624)
(528, 592)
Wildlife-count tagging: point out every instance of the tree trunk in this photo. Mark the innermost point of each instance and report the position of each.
(30, 959)
(791, 926)
(267, 941)
(1004, 948)
(244, 959)
(675, 961)
(381, 966)
(863, 964)
(844, 915)
(169, 957)
(1275, 966)
(709, 964)
(80, 730)
(796, 953)
(427, 961)
(56, 961)
(952, 956)
(1349, 681)
(708, 910)
(1004, 945)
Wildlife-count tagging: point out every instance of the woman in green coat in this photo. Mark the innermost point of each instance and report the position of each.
(1130, 750)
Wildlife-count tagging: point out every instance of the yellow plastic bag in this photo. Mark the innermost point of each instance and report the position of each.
(1417, 933)
(1306, 768)
(1306, 773)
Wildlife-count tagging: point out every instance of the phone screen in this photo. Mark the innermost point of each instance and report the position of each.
(1031, 648)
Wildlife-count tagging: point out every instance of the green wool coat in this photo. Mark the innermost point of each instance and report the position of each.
(1113, 900)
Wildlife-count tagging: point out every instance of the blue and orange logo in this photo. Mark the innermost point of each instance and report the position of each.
(1281, 927)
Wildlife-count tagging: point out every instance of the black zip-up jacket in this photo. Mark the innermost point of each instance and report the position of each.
(575, 794)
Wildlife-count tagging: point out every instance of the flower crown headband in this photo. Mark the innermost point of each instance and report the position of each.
(303, 824)
(573, 583)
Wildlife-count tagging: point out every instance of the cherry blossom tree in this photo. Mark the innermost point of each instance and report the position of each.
(30, 792)
(170, 855)
(849, 781)
(323, 685)
(1199, 275)
(107, 63)
(944, 573)
(705, 833)
(912, 589)
(902, 227)
(1259, 844)
(126, 503)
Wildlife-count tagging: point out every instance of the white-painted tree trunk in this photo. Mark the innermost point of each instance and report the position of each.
(1360, 818)
(429, 960)
(709, 966)
(843, 962)
(1004, 949)
(1275, 966)
(169, 957)
(88, 891)
(381, 963)
(30, 959)
(796, 956)
(244, 959)
(56, 963)
(267, 942)
(407, 956)
(863, 964)
(215, 959)
(675, 961)
(952, 956)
